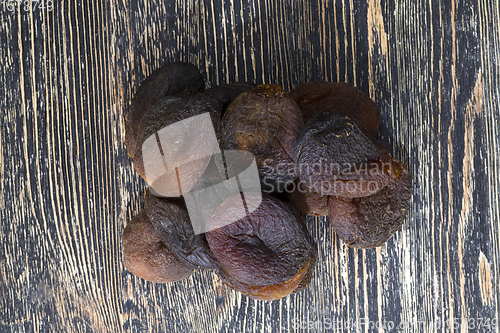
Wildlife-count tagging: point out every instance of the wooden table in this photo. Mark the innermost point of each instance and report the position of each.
(68, 188)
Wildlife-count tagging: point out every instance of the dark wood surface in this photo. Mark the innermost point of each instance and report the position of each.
(68, 188)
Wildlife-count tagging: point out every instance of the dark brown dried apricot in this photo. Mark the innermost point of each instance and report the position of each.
(274, 291)
(145, 255)
(171, 221)
(335, 157)
(166, 80)
(265, 122)
(322, 96)
(370, 221)
(185, 147)
(264, 254)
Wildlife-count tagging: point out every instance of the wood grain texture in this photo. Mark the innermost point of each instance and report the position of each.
(68, 188)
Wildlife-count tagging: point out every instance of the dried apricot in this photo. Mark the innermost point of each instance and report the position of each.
(265, 122)
(145, 255)
(322, 96)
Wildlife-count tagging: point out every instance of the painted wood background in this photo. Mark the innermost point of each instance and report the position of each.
(68, 188)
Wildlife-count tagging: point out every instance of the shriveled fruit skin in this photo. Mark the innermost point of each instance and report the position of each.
(275, 291)
(171, 221)
(335, 157)
(370, 221)
(307, 201)
(166, 80)
(322, 96)
(170, 110)
(226, 93)
(145, 255)
(265, 122)
(265, 254)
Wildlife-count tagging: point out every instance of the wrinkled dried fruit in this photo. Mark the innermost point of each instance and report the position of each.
(307, 201)
(321, 96)
(166, 80)
(274, 291)
(226, 93)
(264, 255)
(265, 122)
(185, 149)
(370, 221)
(171, 221)
(335, 157)
(145, 255)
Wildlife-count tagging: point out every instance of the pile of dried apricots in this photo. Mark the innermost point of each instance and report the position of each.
(316, 153)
